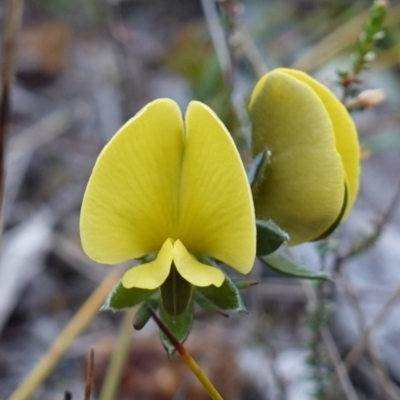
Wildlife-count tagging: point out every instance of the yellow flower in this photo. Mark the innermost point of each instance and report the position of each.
(175, 190)
(312, 180)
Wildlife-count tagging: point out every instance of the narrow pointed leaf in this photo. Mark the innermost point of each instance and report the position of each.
(207, 304)
(269, 237)
(121, 298)
(179, 325)
(225, 297)
(257, 171)
(284, 265)
(244, 283)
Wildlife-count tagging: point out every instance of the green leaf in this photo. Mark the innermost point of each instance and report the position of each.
(176, 293)
(257, 171)
(269, 237)
(143, 315)
(226, 297)
(207, 304)
(121, 298)
(179, 325)
(284, 265)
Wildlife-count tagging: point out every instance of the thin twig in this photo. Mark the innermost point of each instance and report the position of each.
(217, 36)
(358, 348)
(391, 391)
(250, 50)
(89, 376)
(13, 23)
(338, 364)
(338, 40)
(78, 323)
(363, 49)
(331, 347)
(119, 358)
(225, 53)
(367, 242)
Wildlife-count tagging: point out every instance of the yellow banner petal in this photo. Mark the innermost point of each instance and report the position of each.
(216, 209)
(193, 271)
(153, 274)
(130, 204)
(304, 189)
(347, 142)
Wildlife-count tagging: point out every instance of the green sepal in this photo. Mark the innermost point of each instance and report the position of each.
(226, 297)
(257, 171)
(269, 237)
(180, 325)
(176, 293)
(284, 265)
(121, 298)
(143, 315)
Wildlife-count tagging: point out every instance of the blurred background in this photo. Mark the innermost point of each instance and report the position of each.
(85, 67)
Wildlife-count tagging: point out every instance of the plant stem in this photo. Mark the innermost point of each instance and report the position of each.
(78, 323)
(187, 358)
(119, 358)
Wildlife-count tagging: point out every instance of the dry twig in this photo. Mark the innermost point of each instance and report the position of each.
(331, 347)
(89, 376)
(13, 22)
(78, 323)
(391, 391)
(370, 240)
(358, 348)
(218, 37)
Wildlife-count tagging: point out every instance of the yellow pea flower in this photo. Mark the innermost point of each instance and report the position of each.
(312, 181)
(175, 189)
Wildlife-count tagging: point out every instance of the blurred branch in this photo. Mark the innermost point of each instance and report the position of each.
(364, 49)
(338, 41)
(331, 347)
(239, 38)
(228, 37)
(338, 364)
(10, 44)
(218, 37)
(89, 376)
(131, 83)
(78, 323)
(119, 358)
(358, 348)
(391, 390)
(372, 238)
(250, 50)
